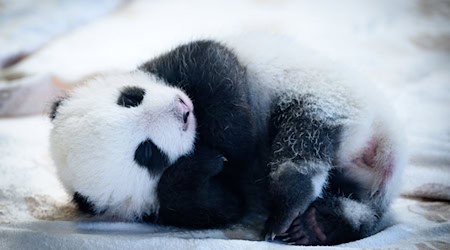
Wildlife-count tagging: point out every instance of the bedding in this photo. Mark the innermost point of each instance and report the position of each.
(402, 46)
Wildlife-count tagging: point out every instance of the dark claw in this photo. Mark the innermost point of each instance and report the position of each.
(297, 221)
(284, 234)
(279, 222)
(287, 239)
(293, 229)
(304, 230)
(298, 234)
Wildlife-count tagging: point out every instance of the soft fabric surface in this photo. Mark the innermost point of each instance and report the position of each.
(403, 46)
(27, 25)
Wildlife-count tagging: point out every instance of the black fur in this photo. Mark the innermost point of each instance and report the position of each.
(297, 134)
(148, 155)
(83, 203)
(341, 185)
(131, 97)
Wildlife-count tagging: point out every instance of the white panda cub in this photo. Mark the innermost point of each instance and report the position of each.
(314, 145)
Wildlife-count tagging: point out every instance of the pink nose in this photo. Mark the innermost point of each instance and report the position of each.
(185, 102)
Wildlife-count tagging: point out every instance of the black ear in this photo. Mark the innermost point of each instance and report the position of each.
(55, 106)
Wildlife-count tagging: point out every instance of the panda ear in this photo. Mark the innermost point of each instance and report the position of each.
(54, 108)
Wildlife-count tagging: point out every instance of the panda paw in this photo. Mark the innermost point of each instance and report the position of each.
(319, 225)
(200, 166)
(304, 230)
(208, 161)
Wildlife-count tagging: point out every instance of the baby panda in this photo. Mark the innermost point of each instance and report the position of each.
(279, 132)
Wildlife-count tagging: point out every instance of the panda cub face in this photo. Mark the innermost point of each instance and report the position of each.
(114, 136)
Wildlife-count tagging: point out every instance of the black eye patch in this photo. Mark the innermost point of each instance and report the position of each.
(131, 97)
(149, 156)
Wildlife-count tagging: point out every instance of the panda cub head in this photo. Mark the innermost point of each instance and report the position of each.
(114, 136)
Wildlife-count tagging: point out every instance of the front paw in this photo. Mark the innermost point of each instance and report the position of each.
(198, 167)
(209, 162)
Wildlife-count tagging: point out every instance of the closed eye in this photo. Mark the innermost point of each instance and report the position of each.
(131, 97)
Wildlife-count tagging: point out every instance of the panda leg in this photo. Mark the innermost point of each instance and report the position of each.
(291, 193)
(303, 147)
(357, 196)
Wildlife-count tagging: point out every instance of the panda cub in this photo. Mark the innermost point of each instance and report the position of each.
(211, 131)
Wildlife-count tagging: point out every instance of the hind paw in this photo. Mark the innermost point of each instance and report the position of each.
(319, 225)
(305, 230)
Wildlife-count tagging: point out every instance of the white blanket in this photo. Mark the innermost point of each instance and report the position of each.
(401, 45)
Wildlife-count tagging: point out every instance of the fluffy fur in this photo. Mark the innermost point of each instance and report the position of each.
(305, 145)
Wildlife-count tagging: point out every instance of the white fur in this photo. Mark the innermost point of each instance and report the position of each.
(357, 213)
(319, 182)
(94, 141)
(380, 125)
